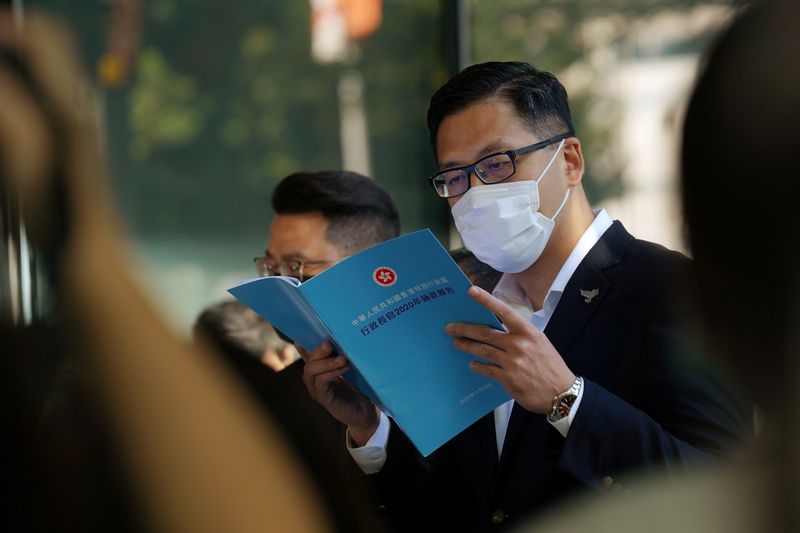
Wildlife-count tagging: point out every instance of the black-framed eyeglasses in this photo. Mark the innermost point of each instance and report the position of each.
(493, 168)
(296, 268)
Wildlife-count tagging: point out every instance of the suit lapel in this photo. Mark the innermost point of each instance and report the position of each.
(573, 310)
(570, 317)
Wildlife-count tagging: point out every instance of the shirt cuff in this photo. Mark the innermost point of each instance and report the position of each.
(564, 424)
(371, 457)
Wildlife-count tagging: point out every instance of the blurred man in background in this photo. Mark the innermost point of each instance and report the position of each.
(478, 272)
(320, 219)
(234, 328)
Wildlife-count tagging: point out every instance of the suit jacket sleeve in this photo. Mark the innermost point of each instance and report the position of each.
(670, 411)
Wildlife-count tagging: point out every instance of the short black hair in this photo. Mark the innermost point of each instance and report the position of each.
(358, 211)
(478, 272)
(537, 96)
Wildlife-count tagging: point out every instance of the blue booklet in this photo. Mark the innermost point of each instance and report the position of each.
(385, 309)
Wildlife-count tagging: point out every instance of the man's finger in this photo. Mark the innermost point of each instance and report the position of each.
(512, 321)
(490, 371)
(320, 352)
(321, 381)
(485, 351)
(320, 366)
(477, 332)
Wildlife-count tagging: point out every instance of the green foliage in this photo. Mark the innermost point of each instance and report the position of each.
(226, 101)
(165, 108)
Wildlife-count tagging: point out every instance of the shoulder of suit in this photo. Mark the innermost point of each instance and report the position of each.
(655, 266)
(657, 253)
(620, 246)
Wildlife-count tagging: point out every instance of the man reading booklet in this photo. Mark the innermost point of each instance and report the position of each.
(320, 218)
(592, 355)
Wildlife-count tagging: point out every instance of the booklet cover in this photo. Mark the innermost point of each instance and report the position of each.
(385, 309)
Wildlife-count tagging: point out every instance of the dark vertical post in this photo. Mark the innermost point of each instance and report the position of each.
(457, 30)
(17, 276)
(457, 44)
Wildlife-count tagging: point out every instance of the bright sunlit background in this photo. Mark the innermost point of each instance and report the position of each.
(209, 104)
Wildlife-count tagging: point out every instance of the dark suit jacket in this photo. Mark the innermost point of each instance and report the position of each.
(643, 405)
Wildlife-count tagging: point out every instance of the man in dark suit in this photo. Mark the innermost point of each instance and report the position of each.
(589, 355)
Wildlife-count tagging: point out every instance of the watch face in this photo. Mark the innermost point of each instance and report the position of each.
(565, 405)
(563, 402)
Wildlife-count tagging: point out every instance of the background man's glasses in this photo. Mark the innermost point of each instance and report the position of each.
(266, 266)
(490, 169)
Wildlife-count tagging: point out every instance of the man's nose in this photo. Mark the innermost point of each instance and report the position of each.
(474, 180)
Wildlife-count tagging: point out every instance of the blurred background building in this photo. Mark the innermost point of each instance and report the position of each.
(209, 104)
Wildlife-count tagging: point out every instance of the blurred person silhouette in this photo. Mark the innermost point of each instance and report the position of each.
(255, 351)
(160, 406)
(591, 351)
(252, 348)
(232, 327)
(478, 272)
(740, 186)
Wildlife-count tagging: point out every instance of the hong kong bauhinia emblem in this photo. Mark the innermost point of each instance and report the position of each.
(384, 276)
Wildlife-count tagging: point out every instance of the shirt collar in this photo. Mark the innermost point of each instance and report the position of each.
(511, 293)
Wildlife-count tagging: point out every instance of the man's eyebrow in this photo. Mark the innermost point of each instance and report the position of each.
(290, 255)
(497, 146)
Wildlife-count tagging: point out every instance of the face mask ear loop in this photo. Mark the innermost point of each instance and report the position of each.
(552, 160)
(563, 203)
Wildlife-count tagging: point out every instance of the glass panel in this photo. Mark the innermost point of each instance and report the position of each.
(628, 66)
(223, 99)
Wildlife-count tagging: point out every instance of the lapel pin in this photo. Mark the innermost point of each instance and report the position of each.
(589, 295)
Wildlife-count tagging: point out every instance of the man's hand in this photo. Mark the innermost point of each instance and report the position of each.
(522, 359)
(322, 377)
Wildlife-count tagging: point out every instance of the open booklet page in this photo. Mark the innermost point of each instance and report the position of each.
(386, 308)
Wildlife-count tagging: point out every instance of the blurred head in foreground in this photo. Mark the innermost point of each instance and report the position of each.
(740, 187)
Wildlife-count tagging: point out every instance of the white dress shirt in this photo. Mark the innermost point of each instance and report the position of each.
(371, 457)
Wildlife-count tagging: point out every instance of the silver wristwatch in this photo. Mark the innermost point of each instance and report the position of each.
(562, 404)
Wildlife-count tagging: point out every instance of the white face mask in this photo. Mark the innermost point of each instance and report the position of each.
(501, 223)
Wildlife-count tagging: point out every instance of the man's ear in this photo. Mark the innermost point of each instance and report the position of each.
(573, 161)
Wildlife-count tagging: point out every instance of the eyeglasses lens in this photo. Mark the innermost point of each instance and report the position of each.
(451, 183)
(493, 169)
